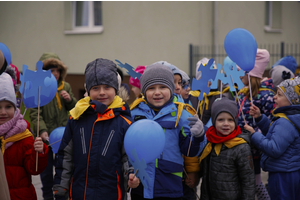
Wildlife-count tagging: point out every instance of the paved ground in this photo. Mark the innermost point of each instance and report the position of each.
(37, 184)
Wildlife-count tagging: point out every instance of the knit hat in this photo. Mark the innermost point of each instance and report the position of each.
(185, 78)
(224, 105)
(287, 61)
(261, 62)
(291, 89)
(157, 74)
(204, 62)
(48, 55)
(173, 68)
(280, 73)
(8, 92)
(135, 82)
(101, 72)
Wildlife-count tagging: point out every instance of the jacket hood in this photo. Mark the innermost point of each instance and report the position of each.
(60, 65)
(246, 135)
(268, 84)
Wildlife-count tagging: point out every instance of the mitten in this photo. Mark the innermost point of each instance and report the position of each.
(196, 126)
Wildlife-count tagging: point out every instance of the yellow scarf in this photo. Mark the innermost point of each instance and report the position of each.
(57, 96)
(83, 104)
(229, 144)
(15, 138)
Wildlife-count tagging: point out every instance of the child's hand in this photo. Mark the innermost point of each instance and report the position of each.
(249, 128)
(192, 179)
(44, 135)
(65, 95)
(254, 111)
(38, 145)
(196, 126)
(133, 181)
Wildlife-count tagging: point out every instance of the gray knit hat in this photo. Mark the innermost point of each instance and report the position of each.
(224, 105)
(101, 72)
(48, 55)
(279, 74)
(291, 89)
(7, 91)
(157, 74)
(173, 68)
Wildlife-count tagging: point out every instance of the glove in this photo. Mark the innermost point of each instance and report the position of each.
(196, 126)
(57, 197)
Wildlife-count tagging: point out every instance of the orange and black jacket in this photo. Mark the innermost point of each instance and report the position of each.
(89, 160)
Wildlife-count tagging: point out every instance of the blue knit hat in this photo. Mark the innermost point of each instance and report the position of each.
(287, 61)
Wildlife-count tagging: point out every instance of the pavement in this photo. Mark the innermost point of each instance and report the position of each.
(36, 181)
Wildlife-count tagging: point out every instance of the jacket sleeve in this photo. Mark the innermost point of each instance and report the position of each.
(33, 114)
(281, 134)
(264, 124)
(64, 163)
(245, 168)
(70, 105)
(30, 157)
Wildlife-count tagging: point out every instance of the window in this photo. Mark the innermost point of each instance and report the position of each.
(273, 16)
(86, 17)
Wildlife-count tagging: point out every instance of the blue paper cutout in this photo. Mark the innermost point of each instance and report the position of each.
(130, 70)
(33, 80)
(141, 165)
(230, 70)
(219, 76)
(207, 74)
(6, 53)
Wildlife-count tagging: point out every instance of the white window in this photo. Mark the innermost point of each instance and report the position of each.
(273, 16)
(86, 17)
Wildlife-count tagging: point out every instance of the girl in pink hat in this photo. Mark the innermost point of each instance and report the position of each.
(135, 83)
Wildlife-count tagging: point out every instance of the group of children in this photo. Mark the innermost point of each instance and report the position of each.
(259, 131)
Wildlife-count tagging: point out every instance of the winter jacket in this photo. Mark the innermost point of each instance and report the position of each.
(165, 172)
(263, 100)
(279, 140)
(89, 160)
(51, 116)
(229, 175)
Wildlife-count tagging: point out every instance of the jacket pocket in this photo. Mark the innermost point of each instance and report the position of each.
(82, 140)
(108, 141)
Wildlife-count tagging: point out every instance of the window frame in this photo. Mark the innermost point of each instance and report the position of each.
(268, 27)
(91, 28)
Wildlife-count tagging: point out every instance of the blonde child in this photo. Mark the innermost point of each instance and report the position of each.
(226, 162)
(18, 146)
(157, 86)
(91, 154)
(280, 141)
(135, 83)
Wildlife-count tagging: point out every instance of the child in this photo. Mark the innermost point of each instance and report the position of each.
(54, 114)
(280, 141)
(135, 83)
(157, 86)
(226, 162)
(186, 88)
(96, 130)
(18, 146)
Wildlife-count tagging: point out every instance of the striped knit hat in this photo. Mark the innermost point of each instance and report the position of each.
(291, 89)
(157, 73)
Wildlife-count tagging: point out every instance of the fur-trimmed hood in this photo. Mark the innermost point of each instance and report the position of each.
(60, 65)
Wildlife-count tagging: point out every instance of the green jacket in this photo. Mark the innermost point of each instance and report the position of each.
(50, 115)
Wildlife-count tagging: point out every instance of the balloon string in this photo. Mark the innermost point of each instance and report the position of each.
(221, 90)
(54, 142)
(38, 125)
(251, 95)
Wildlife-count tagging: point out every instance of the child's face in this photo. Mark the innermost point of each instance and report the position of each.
(136, 91)
(7, 111)
(177, 82)
(224, 124)
(103, 93)
(280, 99)
(185, 91)
(158, 95)
(55, 72)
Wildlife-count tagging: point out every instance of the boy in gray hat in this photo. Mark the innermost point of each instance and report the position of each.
(157, 87)
(91, 153)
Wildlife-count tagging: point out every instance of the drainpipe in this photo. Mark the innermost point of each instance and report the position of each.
(215, 29)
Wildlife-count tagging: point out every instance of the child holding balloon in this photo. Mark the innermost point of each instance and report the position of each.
(280, 141)
(18, 146)
(157, 86)
(91, 155)
(262, 92)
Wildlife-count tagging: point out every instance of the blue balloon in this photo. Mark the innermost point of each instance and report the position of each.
(148, 139)
(55, 138)
(241, 47)
(6, 53)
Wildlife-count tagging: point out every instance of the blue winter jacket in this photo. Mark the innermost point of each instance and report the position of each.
(89, 160)
(166, 171)
(280, 142)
